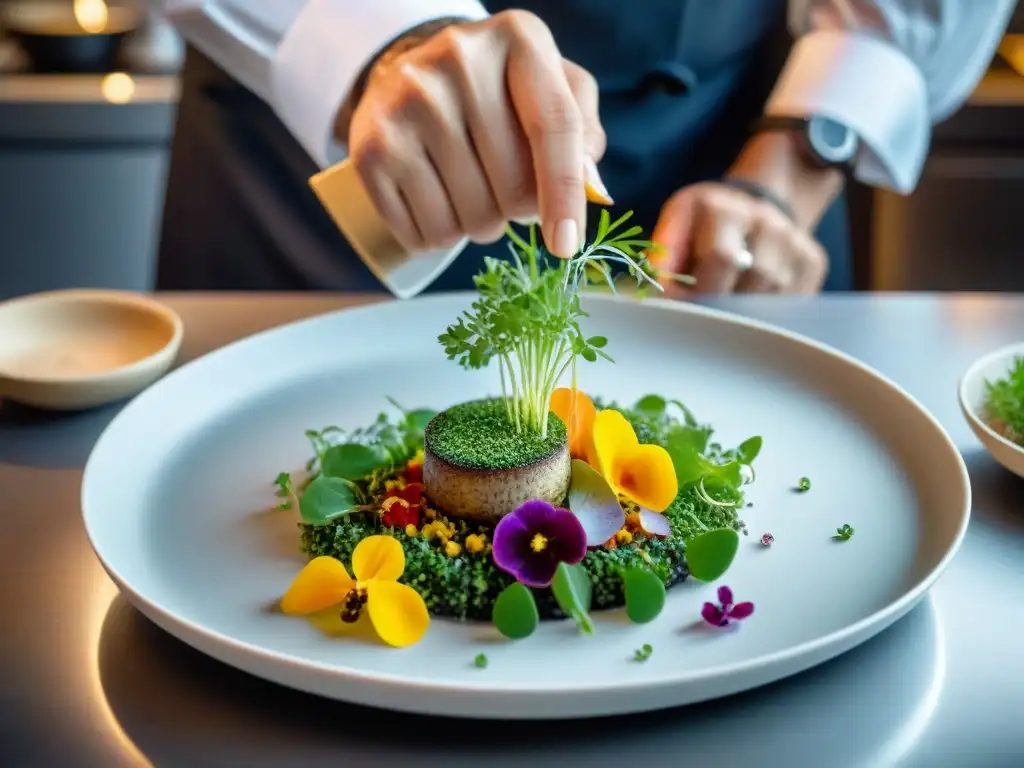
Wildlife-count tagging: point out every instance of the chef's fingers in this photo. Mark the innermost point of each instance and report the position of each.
(436, 111)
(553, 124)
(719, 242)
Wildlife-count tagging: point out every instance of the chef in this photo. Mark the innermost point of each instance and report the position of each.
(728, 126)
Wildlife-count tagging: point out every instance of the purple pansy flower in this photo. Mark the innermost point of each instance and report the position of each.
(720, 615)
(530, 542)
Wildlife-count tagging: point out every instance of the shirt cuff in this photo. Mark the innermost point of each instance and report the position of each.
(324, 51)
(868, 85)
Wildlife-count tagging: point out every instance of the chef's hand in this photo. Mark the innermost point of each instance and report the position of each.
(729, 240)
(481, 124)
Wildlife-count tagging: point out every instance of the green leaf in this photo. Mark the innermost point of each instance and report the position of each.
(573, 593)
(691, 420)
(326, 499)
(598, 342)
(710, 554)
(589, 355)
(515, 612)
(594, 503)
(351, 461)
(651, 406)
(689, 464)
(419, 419)
(749, 449)
(645, 595)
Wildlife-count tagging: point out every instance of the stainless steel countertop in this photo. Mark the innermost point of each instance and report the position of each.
(86, 681)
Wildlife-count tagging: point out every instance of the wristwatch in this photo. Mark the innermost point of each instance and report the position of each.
(825, 143)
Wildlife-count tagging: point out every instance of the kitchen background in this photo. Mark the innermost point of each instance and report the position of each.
(88, 94)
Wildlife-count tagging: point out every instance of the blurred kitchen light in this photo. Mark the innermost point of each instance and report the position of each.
(118, 88)
(91, 15)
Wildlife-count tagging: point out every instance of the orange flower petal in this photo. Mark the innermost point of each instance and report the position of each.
(378, 557)
(324, 582)
(646, 475)
(397, 611)
(577, 411)
(613, 434)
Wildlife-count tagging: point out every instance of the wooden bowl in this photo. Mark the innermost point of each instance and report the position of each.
(70, 350)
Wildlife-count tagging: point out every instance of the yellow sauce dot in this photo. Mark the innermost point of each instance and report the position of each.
(452, 549)
(410, 530)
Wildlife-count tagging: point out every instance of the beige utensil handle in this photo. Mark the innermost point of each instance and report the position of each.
(406, 274)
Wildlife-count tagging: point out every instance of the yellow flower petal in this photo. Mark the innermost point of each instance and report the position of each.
(324, 582)
(378, 557)
(577, 411)
(397, 611)
(646, 475)
(613, 434)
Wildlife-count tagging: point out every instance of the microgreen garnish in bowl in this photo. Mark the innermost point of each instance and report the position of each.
(1003, 406)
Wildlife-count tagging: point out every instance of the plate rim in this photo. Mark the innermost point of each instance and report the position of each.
(867, 626)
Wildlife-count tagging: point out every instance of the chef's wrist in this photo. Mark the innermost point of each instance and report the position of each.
(397, 46)
(775, 162)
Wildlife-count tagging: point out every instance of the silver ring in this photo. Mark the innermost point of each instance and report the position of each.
(744, 260)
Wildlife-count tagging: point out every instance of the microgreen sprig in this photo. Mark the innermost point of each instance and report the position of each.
(643, 653)
(527, 315)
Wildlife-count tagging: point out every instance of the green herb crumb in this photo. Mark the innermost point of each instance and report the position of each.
(480, 662)
(644, 653)
(844, 533)
(479, 434)
(803, 485)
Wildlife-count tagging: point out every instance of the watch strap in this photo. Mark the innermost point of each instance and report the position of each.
(800, 128)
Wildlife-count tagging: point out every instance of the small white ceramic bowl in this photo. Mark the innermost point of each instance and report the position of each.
(992, 366)
(76, 349)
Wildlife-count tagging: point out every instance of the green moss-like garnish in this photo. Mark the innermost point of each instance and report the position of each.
(479, 435)
(465, 586)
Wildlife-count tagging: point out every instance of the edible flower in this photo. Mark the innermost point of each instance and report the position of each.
(397, 612)
(642, 473)
(402, 506)
(577, 411)
(531, 541)
(720, 615)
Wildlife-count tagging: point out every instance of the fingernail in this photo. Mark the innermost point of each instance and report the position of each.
(567, 239)
(597, 192)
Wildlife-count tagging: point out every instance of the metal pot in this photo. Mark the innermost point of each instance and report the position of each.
(84, 37)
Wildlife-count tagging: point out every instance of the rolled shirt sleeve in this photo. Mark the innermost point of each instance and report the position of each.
(303, 57)
(890, 70)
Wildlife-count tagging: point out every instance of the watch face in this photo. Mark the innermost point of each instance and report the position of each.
(834, 142)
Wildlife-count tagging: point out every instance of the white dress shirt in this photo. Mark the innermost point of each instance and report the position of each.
(889, 69)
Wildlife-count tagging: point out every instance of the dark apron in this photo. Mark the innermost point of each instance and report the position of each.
(681, 82)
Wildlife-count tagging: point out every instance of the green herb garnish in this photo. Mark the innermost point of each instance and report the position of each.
(286, 490)
(480, 662)
(844, 533)
(1003, 407)
(528, 312)
(803, 485)
(644, 653)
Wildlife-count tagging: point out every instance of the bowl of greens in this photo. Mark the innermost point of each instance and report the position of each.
(992, 400)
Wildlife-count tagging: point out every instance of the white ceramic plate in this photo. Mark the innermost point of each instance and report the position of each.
(995, 365)
(177, 491)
